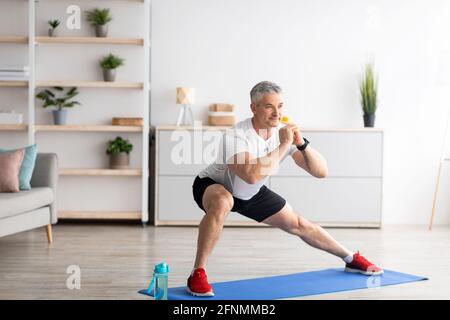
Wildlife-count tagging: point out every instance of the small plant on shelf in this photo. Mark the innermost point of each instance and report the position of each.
(53, 25)
(119, 153)
(99, 19)
(109, 64)
(60, 103)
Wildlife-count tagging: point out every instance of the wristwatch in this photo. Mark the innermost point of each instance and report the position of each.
(303, 146)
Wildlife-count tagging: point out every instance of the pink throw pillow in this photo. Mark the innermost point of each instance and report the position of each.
(10, 163)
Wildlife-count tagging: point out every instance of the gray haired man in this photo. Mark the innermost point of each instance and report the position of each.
(248, 154)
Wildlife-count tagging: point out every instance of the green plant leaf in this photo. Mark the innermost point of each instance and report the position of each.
(118, 145)
(111, 61)
(54, 23)
(60, 102)
(49, 93)
(98, 17)
(42, 95)
(368, 91)
(71, 91)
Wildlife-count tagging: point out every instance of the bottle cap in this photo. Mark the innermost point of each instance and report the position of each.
(285, 119)
(162, 268)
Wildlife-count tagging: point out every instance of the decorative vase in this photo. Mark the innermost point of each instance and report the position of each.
(109, 75)
(101, 31)
(119, 161)
(369, 120)
(59, 117)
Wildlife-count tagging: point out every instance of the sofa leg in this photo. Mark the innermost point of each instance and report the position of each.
(48, 228)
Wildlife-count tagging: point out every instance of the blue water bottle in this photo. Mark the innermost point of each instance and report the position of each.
(160, 282)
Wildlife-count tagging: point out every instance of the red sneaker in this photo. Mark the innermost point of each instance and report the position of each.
(363, 266)
(198, 285)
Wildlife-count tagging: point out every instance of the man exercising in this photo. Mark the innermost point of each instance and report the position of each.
(249, 153)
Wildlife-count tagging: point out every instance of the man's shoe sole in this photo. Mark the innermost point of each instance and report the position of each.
(197, 294)
(366, 273)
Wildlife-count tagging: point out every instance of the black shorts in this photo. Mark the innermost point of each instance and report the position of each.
(261, 206)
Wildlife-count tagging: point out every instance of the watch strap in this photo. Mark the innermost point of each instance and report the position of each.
(303, 146)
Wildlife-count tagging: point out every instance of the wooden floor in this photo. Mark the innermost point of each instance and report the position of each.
(116, 260)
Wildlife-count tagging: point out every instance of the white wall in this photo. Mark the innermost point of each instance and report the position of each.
(316, 49)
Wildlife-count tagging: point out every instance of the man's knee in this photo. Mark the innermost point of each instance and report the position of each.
(304, 226)
(219, 201)
(220, 207)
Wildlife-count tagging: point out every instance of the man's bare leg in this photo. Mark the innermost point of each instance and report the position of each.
(217, 202)
(313, 234)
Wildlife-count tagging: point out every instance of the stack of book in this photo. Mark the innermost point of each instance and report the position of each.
(10, 117)
(14, 73)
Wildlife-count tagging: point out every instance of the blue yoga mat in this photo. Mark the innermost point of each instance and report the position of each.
(295, 285)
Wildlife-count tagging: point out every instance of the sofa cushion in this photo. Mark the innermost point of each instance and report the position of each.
(9, 170)
(16, 203)
(28, 163)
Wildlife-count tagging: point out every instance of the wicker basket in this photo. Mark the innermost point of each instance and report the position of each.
(138, 122)
(221, 115)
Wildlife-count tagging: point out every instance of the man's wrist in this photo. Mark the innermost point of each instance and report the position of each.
(285, 144)
(301, 142)
(303, 146)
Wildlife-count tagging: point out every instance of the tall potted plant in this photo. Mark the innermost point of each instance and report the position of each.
(119, 153)
(61, 103)
(99, 19)
(368, 89)
(109, 64)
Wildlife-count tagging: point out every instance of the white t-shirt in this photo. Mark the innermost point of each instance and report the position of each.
(242, 138)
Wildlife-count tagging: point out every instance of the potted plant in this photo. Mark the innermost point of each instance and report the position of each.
(62, 102)
(99, 19)
(109, 64)
(53, 25)
(368, 90)
(119, 153)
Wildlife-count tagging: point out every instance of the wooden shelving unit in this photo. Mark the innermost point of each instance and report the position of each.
(90, 40)
(33, 42)
(90, 84)
(87, 128)
(100, 172)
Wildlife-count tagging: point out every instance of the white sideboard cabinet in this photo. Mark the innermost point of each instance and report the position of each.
(350, 196)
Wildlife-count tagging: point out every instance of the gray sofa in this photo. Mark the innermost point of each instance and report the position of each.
(33, 208)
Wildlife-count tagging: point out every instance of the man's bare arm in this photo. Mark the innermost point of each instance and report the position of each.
(252, 170)
(311, 161)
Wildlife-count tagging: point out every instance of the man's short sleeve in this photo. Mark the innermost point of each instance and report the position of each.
(232, 143)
